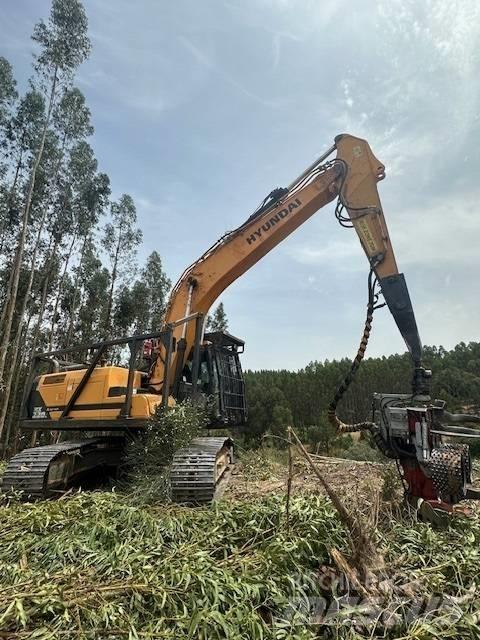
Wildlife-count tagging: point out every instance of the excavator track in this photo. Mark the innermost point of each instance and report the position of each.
(200, 471)
(46, 471)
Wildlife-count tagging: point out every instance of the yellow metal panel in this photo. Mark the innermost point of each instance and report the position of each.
(57, 389)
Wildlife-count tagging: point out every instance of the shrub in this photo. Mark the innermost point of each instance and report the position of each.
(148, 456)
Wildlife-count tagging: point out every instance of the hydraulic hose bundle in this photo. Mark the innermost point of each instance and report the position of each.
(333, 418)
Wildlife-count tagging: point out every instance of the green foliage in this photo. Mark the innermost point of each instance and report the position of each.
(390, 484)
(71, 115)
(8, 91)
(93, 280)
(121, 235)
(148, 457)
(22, 130)
(361, 450)
(268, 410)
(63, 40)
(261, 464)
(325, 437)
(218, 320)
(140, 308)
(120, 241)
(98, 565)
(157, 286)
(307, 393)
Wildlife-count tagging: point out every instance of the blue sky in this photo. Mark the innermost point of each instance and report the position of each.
(201, 108)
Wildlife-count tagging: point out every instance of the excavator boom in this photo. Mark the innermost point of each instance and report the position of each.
(352, 176)
(359, 196)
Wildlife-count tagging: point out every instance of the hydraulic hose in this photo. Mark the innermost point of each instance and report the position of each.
(335, 421)
(333, 418)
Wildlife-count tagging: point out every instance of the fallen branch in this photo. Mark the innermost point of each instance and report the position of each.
(345, 460)
(364, 552)
(290, 476)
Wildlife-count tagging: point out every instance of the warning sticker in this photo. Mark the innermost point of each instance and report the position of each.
(367, 236)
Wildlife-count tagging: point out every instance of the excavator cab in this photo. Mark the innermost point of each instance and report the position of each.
(221, 355)
(219, 379)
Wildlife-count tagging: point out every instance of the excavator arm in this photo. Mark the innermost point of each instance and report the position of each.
(359, 196)
(352, 176)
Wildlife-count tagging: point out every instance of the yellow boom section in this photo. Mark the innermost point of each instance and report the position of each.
(353, 175)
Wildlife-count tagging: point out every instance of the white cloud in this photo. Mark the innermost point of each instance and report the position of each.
(344, 255)
(277, 39)
(206, 61)
(439, 234)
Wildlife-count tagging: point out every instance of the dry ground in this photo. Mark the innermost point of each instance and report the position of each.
(257, 475)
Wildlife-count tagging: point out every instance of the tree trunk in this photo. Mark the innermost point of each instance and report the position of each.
(16, 343)
(5, 305)
(73, 308)
(10, 200)
(8, 384)
(23, 234)
(59, 293)
(11, 192)
(15, 400)
(43, 302)
(112, 287)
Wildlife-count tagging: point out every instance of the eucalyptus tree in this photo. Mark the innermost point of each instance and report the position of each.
(120, 241)
(218, 320)
(40, 193)
(96, 195)
(88, 193)
(71, 123)
(93, 288)
(63, 45)
(157, 285)
(8, 91)
(8, 95)
(21, 133)
(141, 307)
(127, 303)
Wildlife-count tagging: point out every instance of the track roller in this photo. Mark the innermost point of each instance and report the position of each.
(200, 471)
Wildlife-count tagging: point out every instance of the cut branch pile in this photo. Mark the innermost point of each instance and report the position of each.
(97, 566)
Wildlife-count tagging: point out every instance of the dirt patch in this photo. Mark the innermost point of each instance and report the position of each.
(353, 481)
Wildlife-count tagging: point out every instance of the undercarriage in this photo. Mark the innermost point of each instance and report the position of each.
(198, 472)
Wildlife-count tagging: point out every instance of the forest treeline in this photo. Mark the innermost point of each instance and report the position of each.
(279, 398)
(68, 267)
(69, 271)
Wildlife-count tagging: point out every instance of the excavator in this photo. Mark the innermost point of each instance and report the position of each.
(183, 361)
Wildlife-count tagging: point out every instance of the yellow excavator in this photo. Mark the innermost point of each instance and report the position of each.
(184, 361)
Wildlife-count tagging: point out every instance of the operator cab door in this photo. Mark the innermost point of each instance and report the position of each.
(219, 380)
(227, 385)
